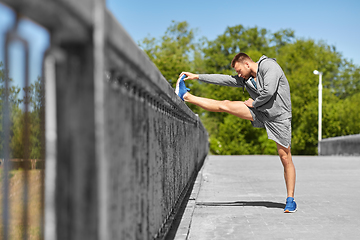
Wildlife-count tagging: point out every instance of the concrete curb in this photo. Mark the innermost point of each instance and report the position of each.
(185, 224)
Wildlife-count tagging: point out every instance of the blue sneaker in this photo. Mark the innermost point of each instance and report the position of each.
(290, 205)
(181, 89)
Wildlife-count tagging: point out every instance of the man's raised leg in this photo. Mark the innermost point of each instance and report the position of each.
(236, 108)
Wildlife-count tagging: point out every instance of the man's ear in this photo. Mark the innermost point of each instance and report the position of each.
(247, 64)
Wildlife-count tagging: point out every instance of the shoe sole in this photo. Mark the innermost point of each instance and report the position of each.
(288, 211)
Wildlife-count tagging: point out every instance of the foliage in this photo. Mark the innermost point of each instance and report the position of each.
(170, 53)
(13, 100)
(18, 118)
(177, 51)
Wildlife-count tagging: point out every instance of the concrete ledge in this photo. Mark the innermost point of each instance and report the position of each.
(183, 229)
(343, 145)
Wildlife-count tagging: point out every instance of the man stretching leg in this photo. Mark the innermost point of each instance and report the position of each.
(269, 106)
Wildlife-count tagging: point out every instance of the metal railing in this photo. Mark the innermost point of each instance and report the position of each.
(121, 148)
(12, 36)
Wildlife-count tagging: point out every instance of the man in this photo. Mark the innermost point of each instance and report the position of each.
(269, 106)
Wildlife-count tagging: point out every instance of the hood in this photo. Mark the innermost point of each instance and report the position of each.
(263, 57)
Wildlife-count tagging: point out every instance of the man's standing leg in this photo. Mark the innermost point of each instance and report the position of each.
(289, 175)
(289, 169)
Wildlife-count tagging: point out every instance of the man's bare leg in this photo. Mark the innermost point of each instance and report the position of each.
(289, 169)
(236, 108)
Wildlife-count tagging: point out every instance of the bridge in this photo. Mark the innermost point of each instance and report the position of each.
(123, 152)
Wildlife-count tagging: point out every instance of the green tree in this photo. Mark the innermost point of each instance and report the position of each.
(347, 82)
(171, 53)
(35, 99)
(176, 52)
(17, 118)
(36, 117)
(14, 101)
(17, 133)
(220, 52)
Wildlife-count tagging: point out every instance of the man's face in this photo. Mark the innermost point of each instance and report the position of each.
(243, 69)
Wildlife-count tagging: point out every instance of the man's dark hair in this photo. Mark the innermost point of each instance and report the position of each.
(240, 57)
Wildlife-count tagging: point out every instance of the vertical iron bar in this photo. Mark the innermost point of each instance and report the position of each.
(26, 140)
(6, 139)
(43, 147)
(51, 148)
(99, 95)
(12, 36)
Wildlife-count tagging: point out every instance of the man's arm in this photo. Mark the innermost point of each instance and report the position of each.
(218, 79)
(271, 73)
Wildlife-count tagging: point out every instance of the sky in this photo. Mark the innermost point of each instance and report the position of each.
(335, 22)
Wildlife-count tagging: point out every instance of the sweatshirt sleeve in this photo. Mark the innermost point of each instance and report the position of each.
(223, 80)
(271, 74)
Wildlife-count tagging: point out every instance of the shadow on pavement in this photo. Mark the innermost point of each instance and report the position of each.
(266, 204)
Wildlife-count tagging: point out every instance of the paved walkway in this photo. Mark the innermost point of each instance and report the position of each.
(242, 197)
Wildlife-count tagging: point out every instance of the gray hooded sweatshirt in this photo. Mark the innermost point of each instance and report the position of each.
(272, 96)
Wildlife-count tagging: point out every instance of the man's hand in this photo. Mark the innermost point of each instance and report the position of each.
(189, 76)
(249, 102)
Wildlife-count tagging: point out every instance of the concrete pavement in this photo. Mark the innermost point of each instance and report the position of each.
(242, 197)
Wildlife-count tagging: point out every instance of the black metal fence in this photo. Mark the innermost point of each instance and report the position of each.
(121, 148)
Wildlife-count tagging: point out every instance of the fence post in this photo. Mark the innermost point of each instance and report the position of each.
(102, 160)
(77, 191)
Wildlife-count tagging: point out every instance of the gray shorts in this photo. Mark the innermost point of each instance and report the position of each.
(277, 130)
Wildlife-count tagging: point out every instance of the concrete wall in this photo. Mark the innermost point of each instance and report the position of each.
(344, 145)
(123, 147)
